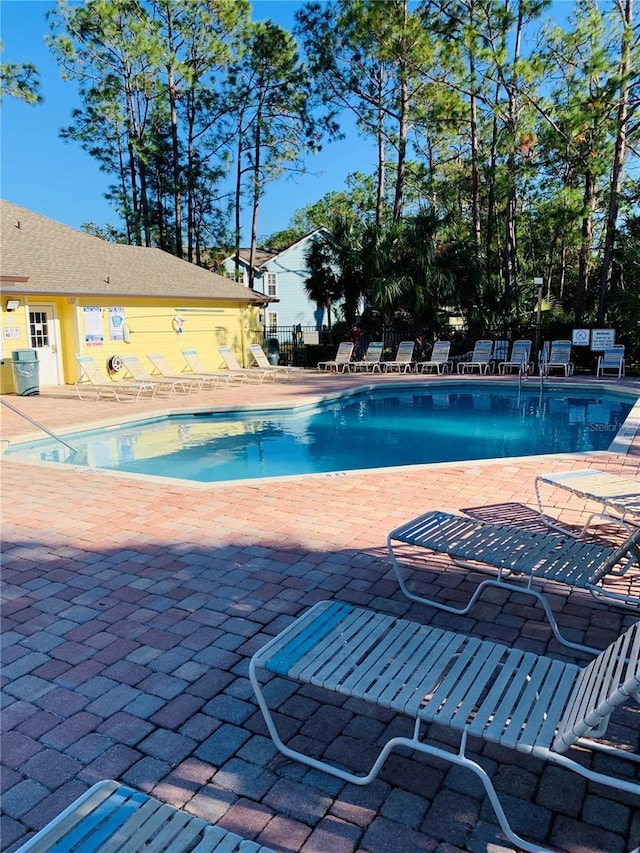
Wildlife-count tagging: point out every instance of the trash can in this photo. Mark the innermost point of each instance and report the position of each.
(24, 364)
(273, 351)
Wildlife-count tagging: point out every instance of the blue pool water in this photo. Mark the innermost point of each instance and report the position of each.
(375, 429)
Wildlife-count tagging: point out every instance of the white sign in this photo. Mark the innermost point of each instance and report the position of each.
(11, 333)
(580, 337)
(312, 338)
(602, 339)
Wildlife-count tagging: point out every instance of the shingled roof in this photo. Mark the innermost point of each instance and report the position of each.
(59, 260)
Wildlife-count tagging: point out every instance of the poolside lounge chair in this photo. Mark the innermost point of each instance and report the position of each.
(112, 818)
(611, 359)
(559, 358)
(520, 558)
(164, 369)
(480, 358)
(536, 705)
(619, 497)
(499, 353)
(370, 361)
(93, 377)
(439, 360)
(402, 360)
(135, 369)
(235, 368)
(195, 367)
(519, 360)
(277, 370)
(342, 359)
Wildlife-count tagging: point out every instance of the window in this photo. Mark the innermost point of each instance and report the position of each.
(272, 321)
(272, 284)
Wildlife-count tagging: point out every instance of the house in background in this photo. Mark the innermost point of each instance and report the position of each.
(281, 274)
(64, 292)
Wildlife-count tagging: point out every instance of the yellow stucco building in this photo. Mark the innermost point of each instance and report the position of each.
(65, 293)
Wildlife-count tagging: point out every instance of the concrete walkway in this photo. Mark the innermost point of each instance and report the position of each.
(132, 606)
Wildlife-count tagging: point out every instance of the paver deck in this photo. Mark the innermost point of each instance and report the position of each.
(132, 607)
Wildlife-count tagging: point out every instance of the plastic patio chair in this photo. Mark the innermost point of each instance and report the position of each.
(480, 358)
(277, 370)
(195, 367)
(519, 359)
(370, 361)
(93, 377)
(403, 358)
(477, 689)
(559, 358)
(439, 360)
(136, 370)
(235, 368)
(341, 361)
(164, 369)
(611, 359)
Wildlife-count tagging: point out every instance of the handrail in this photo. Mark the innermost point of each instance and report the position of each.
(36, 424)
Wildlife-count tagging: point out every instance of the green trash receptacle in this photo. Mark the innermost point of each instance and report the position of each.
(25, 367)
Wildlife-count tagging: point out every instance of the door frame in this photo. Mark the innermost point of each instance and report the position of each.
(54, 337)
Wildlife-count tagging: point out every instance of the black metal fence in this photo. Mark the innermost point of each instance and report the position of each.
(305, 346)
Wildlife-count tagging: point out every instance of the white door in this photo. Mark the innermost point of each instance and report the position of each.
(43, 337)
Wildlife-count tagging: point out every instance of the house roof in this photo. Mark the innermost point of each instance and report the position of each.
(263, 256)
(56, 259)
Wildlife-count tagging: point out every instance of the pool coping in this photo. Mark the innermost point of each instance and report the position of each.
(620, 445)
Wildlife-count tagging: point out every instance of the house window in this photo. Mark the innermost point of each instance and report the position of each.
(272, 321)
(272, 284)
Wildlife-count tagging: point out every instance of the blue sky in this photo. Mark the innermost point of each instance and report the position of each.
(40, 171)
(58, 179)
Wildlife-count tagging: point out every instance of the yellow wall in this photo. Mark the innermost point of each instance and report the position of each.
(152, 329)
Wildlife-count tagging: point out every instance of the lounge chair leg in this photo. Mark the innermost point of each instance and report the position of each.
(500, 584)
(412, 743)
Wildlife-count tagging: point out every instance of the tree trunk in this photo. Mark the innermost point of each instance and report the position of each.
(584, 261)
(618, 159)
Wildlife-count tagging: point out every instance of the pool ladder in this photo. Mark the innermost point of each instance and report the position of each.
(36, 423)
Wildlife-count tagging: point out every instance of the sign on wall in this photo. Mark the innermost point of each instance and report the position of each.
(602, 339)
(116, 324)
(93, 333)
(580, 337)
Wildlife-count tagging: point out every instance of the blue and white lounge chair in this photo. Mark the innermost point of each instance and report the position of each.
(519, 360)
(477, 689)
(370, 361)
(559, 358)
(521, 560)
(402, 360)
(341, 361)
(480, 358)
(612, 359)
(439, 360)
(112, 817)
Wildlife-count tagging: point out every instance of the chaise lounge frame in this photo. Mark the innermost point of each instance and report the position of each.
(519, 559)
(113, 818)
(536, 705)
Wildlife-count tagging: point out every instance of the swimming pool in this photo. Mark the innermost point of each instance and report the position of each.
(377, 428)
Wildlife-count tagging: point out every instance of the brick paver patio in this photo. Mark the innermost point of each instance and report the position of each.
(132, 607)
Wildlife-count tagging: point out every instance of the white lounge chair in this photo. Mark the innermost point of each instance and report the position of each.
(520, 558)
(618, 497)
(536, 705)
(559, 358)
(370, 361)
(519, 360)
(93, 377)
(136, 371)
(480, 358)
(235, 368)
(341, 361)
(277, 370)
(112, 817)
(164, 370)
(402, 360)
(439, 360)
(611, 359)
(195, 367)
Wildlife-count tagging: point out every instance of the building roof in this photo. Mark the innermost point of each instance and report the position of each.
(263, 256)
(58, 260)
